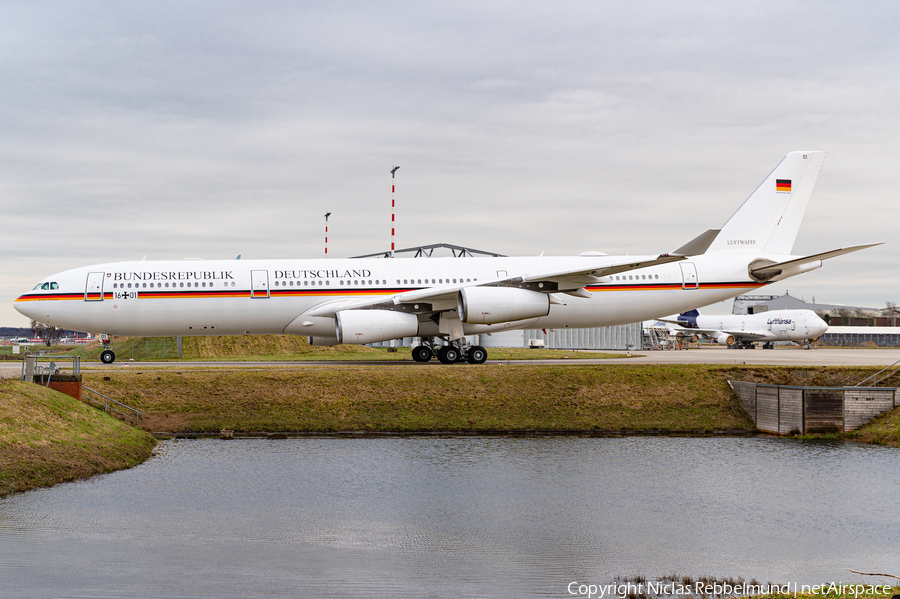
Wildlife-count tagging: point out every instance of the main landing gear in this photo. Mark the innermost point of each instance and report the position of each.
(450, 354)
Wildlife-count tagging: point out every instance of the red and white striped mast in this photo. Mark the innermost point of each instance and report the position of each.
(393, 206)
(327, 214)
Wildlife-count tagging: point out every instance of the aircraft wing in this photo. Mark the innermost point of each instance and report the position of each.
(569, 280)
(736, 334)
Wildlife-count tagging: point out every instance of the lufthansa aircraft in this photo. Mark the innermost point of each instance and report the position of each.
(742, 330)
(369, 300)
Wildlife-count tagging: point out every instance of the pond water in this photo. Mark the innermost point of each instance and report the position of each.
(453, 517)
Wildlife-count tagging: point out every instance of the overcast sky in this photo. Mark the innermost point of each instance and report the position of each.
(212, 129)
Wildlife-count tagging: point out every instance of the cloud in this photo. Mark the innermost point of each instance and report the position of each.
(212, 129)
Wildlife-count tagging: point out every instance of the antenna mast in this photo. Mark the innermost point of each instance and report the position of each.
(393, 206)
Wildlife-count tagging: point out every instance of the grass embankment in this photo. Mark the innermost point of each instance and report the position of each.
(47, 437)
(672, 398)
(283, 348)
(610, 398)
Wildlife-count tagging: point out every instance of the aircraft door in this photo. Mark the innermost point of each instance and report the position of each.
(689, 276)
(93, 291)
(259, 282)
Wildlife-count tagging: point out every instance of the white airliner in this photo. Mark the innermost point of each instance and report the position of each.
(742, 330)
(370, 300)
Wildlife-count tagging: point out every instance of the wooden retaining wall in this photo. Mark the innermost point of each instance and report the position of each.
(790, 410)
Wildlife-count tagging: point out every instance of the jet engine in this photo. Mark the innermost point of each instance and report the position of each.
(371, 326)
(725, 339)
(491, 305)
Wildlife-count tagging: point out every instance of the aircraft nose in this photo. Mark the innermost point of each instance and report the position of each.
(25, 307)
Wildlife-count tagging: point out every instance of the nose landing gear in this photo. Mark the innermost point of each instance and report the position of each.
(107, 356)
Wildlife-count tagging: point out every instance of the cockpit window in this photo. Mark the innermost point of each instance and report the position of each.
(45, 286)
(54, 285)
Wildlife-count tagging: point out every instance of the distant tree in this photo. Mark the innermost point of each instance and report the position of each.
(49, 334)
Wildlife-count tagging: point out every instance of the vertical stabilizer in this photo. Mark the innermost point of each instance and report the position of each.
(770, 218)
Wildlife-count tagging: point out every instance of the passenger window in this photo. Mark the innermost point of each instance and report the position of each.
(181, 284)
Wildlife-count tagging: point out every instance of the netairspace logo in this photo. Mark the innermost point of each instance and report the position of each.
(718, 589)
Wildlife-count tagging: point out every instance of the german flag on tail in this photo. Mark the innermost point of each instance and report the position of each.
(783, 185)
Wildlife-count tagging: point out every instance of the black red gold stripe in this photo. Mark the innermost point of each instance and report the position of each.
(348, 292)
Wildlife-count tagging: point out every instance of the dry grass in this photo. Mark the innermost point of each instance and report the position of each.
(47, 437)
(884, 430)
(485, 398)
(243, 348)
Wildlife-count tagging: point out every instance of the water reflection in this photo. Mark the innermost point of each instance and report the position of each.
(419, 517)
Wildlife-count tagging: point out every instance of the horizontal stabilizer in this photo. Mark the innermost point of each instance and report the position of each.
(698, 245)
(770, 270)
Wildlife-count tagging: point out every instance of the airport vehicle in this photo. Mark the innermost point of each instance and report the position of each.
(743, 330)
(370, 300)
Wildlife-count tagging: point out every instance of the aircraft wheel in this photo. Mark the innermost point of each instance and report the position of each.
(448, 354)
(107, 356)
(422, 353)
(477, 355)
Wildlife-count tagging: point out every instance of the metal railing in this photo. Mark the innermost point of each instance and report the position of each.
(32, 367)
(109, 405)
(874, 377)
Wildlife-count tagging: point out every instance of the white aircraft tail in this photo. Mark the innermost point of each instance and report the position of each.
(769, 219)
